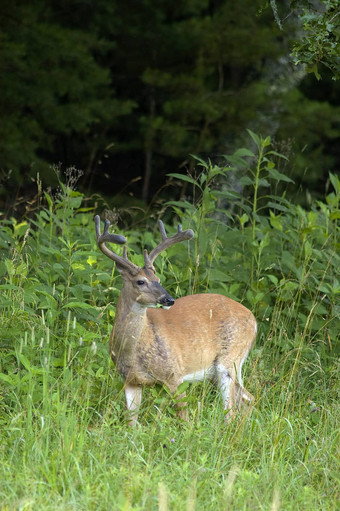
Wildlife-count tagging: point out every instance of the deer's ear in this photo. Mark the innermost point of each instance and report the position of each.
(148, 266)
(121, 269)
(127, 272)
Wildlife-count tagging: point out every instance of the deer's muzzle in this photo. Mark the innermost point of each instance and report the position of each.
(167, 300)
(164, 298)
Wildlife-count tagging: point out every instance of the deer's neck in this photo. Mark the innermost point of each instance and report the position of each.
(128, 327)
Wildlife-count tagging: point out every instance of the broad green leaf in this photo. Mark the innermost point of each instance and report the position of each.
(184, 177)
(308, 248)
(7, 378)
(278, 176)
(279, 155)
(335, 182)
(237, 161)
(255, 138)
(25, 362)
(288, 260)
(335, 215)
(218, 275)
(243, 219)
(202, 162)
(75, 193)
(21, 228)
(203, 242)
(277, 206)
(49, 199)
(314, 69)
(273, 279)
(246, 181)
(80, 305)
(182, 204)
(275, 222)
(91, 260)
(270, 164)
(182, 388)
(85, 210)
(244, 152)
(77, 266)
(264, 182)
(203, 178)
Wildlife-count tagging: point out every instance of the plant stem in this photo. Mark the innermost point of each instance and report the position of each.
(256, 188)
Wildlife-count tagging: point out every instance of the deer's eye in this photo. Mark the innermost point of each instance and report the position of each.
(140, 282)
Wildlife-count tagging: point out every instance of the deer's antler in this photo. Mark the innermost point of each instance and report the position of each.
(122, 262)
(166, 243)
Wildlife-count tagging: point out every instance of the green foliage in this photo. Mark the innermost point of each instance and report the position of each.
(64, 443)
(54, 85)
(320, 42)
(50, 278)
(255, 246)
(121, 93)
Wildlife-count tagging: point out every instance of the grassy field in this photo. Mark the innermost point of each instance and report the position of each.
(64, 440)
(65, 444)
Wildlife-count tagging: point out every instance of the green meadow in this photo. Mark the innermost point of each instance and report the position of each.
(64, 439)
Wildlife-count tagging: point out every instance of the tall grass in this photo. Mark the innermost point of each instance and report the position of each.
(65, 443)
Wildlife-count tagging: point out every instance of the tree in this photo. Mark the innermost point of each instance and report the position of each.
(317, 45)
(193, 74)
(54, 86)
(131, 89)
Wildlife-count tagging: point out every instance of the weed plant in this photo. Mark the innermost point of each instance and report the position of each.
(64, 441)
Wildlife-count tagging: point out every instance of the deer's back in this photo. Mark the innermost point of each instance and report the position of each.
(198, 327)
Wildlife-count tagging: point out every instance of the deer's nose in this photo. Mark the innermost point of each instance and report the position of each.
(167, 300)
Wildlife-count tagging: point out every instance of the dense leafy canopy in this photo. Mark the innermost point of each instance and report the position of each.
(129, 89)
(320, 42)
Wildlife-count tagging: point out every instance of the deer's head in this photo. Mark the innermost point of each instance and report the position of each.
(141, 285)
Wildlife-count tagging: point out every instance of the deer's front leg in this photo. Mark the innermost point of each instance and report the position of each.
(181, 405)
(133, 395)
(180, 402)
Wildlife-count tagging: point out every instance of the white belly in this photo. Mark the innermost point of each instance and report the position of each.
(202, 374)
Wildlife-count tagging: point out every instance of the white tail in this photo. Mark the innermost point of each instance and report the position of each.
(197, 337)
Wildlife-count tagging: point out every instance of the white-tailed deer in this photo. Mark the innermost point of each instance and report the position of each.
(197, 337)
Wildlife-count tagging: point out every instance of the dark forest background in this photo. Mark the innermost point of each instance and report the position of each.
(126, 91)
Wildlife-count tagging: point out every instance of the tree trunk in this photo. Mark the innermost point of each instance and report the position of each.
(149, 141)
(147, 174)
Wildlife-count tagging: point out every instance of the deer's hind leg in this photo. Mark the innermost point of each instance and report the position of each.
(226, 385)
(244, 400)
(235, 397)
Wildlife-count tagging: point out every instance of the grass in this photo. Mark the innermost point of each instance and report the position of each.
(64, 439)
(65, 454)
(65, 443)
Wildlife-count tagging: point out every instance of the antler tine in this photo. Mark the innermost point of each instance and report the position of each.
(122, 262)
(166, 242)
(162, 229)
(106, 236)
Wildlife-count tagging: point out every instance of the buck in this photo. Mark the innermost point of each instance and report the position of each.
(156, 339)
